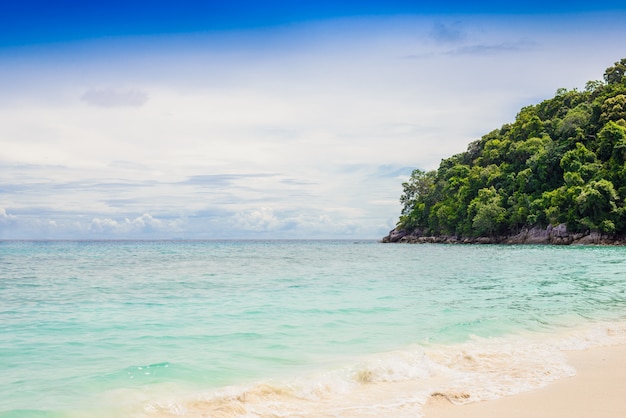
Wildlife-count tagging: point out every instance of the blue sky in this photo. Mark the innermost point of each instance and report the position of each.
(263, 119)
(28, 21)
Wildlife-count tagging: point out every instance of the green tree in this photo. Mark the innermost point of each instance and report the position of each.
(488, 213)
(597, 204)
(581, 161)
(614, 108)
(593, 86)
(558, 206)
(615, 74)
(574, 121)
(612, 142)
(415, 198)
(418, 186)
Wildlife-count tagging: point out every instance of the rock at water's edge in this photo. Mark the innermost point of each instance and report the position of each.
(555, 235)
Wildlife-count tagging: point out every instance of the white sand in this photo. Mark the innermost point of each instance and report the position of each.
(598, 390)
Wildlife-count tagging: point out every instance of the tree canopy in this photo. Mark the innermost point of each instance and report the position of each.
(560, 161)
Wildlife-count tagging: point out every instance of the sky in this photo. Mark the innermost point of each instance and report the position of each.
(262, 120)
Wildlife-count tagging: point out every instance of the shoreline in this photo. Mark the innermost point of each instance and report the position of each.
(552, 235)
(596, 390)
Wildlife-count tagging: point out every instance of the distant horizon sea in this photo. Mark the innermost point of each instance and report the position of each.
(293, 328)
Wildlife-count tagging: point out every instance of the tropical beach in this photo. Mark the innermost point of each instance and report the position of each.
(204, 206)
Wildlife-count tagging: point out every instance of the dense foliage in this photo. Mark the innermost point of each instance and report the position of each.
(561, 161)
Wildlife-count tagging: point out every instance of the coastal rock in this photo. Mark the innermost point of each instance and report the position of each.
(395, 235)
(594, 238)
(531, 236)
(559, 235)
(554, 235)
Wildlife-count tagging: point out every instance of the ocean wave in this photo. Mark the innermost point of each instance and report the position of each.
(400, 383)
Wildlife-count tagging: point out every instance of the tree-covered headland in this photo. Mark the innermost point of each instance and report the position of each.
(561, 162)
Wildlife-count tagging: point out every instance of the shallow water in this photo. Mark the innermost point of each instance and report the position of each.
(292, 328)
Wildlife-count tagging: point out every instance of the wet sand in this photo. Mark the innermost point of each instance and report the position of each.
(597, 391)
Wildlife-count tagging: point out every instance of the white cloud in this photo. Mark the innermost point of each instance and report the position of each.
(110, 97)
(145, 224)
(26, 226)
(6, 217)
(262, 219)
(103, 225)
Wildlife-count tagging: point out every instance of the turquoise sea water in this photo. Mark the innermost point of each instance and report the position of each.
(292, 328)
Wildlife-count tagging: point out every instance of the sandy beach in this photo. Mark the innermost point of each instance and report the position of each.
(597, 390)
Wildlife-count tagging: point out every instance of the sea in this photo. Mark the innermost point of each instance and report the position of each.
(348, 328)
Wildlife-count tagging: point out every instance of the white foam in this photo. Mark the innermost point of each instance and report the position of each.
(400, 383)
